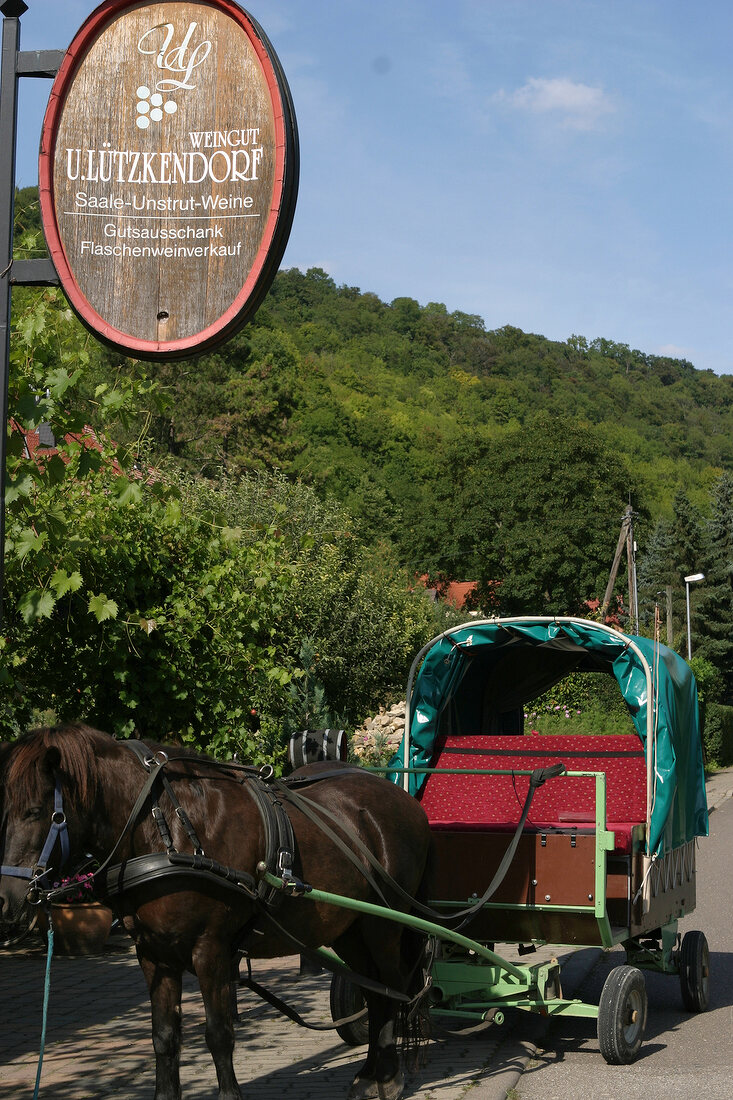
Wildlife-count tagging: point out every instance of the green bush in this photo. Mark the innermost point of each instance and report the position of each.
(222, 616)
(709, 679)
(718, 735)
(580, 703)
(183, 644)
(710, 686)
(594, 719)
(350, 603)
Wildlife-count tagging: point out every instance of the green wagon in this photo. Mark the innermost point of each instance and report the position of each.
(600, 853)
(569, 840)
(606, 855)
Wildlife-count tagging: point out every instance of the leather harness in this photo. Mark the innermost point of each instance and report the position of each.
(267, 792)
(113, 880)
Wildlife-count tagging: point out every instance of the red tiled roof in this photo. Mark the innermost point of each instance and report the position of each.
(456, 593)
(38, 445)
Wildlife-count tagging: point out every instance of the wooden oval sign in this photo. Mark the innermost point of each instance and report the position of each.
(168, 173)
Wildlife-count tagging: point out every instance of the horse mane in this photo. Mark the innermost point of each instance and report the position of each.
(74, 755)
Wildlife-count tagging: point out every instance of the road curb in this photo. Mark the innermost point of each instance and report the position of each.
(516, 1051)
(720, 800)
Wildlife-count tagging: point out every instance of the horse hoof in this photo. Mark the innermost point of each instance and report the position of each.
(365, 1088)
(392, 1090)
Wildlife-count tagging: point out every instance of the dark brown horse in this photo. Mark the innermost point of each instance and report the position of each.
(184, 921)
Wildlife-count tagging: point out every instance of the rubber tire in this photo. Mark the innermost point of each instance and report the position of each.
(620, 1035)
(345, 999)
(695, 971)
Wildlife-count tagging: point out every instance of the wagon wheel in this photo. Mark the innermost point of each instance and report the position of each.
(622, 1015)
(346, 999)
(695, 971)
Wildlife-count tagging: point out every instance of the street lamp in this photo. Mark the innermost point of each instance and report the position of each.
(692, 579)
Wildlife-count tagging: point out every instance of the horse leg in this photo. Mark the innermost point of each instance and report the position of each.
(381, 1075)
(213, 966)
(164, 986)
(372, 948)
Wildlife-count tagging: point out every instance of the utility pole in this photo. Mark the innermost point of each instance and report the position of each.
(625, 540)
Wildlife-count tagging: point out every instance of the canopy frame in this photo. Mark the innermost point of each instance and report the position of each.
(664, 663)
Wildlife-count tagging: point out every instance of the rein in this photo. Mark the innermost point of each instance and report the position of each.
(317, 813)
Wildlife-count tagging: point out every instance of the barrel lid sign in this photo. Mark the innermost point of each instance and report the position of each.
(168, 173)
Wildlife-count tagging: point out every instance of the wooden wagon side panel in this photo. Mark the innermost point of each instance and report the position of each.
(664, 889)
(548, 892)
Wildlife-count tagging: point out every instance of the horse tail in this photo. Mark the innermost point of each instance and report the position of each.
(413, 1022)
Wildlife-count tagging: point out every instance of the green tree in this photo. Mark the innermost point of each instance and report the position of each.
(228, 411)
(674, 550)
(656, 572)
(714, 621)
(533, 516)
(687, 535)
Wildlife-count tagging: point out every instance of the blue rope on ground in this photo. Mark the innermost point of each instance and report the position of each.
(46, 990)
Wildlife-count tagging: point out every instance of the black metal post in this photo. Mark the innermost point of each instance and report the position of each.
(12, 10)
(32, 272)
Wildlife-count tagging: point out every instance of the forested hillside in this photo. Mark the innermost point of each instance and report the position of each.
(367, 399)
(492, 456)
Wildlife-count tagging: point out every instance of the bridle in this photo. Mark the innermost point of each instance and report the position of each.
(38, 888)
(58, 830)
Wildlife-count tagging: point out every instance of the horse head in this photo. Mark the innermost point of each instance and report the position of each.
(47, 802)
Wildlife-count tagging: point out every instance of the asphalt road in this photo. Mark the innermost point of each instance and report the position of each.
(684, 1056)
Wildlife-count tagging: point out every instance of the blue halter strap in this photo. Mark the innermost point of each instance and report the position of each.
(57, 831)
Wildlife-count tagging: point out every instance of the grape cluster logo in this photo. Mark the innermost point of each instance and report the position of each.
(176, 61)
(151, 107)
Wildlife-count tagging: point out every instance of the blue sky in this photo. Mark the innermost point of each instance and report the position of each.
(565, 166)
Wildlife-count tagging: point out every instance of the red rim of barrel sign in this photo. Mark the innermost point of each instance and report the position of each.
(221, 278)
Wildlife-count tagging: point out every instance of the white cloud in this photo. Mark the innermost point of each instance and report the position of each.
(578, 106)
(675, 352)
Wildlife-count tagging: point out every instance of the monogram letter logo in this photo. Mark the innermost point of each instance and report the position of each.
(180, 61)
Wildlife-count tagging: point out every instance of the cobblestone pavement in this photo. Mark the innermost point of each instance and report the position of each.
(98, 1040)
(98, 1036)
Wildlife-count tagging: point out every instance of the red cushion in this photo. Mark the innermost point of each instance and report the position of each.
(496, 801)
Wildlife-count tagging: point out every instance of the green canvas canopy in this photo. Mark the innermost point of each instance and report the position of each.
(478, 677)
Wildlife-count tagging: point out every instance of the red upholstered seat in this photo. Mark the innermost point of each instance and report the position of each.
(495, 802)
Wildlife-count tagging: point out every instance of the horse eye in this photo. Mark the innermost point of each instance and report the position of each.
(33, 813)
